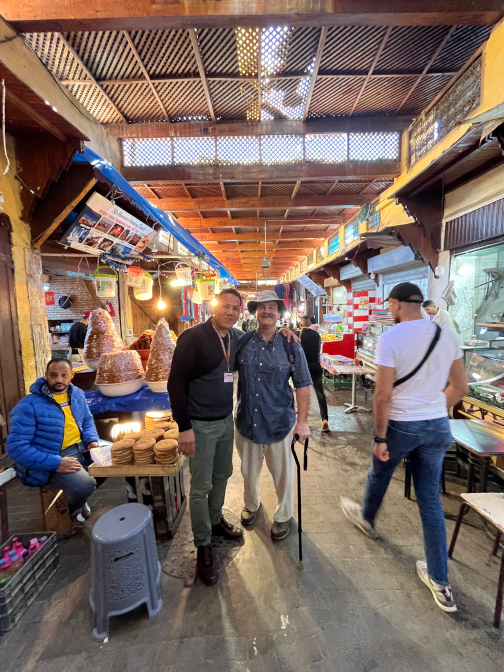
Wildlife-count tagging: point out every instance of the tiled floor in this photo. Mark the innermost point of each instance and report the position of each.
(357, 606)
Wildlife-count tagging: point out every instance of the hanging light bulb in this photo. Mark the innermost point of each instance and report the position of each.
(213, 302)
(161, 304)
(175, 283)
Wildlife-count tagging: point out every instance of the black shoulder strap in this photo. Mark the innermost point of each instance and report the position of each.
(426, 357)
(290, 352)
(243, 341)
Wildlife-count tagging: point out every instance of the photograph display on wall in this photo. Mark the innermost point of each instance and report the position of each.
(101, 225)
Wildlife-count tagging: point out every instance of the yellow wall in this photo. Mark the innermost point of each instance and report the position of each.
(21, 240)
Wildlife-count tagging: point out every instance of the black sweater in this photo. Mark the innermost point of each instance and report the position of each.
(77, 335)
(310, 342)
(196, 384)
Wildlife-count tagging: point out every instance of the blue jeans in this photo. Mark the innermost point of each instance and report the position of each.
(78, 486)
(425, 443)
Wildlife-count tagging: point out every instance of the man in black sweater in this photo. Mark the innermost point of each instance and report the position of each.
(77, 333)
(201, 395)
(310, 342)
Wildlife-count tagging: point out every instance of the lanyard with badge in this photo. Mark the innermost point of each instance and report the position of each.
(228, 376)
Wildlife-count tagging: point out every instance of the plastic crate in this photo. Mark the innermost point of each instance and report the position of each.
(27, 583)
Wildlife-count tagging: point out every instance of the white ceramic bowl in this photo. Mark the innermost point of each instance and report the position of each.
(121, 389)
(158, 386)
(92, 363)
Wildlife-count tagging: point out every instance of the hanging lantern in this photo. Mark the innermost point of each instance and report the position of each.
(135, 276)
(105, 281)
(144, 292)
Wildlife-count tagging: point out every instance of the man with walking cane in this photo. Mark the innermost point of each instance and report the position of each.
(265, 416)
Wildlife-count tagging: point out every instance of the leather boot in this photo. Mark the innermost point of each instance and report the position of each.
(207, 570)
(226, 530)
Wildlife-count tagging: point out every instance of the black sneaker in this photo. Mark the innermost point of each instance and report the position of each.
(206, 565)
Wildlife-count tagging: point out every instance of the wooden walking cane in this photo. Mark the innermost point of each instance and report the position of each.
(295, 438)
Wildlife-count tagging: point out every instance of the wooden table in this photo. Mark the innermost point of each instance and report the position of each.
(168, 492)
(351, 370)
(482, 440)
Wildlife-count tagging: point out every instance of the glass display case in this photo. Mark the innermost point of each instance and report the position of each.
(486, 376)
(370, 337)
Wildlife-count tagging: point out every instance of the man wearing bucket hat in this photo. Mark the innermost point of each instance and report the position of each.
(265, 416)
(77, 333)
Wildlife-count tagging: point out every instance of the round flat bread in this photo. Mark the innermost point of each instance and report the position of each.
(166, 444)
(147, 443)
(134, 435)
(162, 425)
(124, 444)
(156, 433)
(173, 425)
(172, 434)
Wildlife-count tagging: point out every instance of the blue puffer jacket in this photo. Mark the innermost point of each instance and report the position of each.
(36, 432)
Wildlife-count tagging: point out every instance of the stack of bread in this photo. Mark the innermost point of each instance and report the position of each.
(155, 446)
(161, 354)
(102, 336)
(119, 367)
(122, 452)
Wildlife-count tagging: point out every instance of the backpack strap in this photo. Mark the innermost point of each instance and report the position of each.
(426, 357)
(290, 352)
(243, 341)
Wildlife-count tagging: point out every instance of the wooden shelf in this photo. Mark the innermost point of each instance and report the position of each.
(134, 470)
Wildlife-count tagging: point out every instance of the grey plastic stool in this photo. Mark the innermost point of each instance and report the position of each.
(125, 569)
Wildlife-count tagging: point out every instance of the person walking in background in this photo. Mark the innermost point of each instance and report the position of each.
(201, 394)
(265, 415)
(438, 315)
(77, 333)
(415, 360)
(311, 344)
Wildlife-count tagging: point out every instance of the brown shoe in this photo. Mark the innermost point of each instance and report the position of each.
(226, 530)
(325, 426)
(206, 565)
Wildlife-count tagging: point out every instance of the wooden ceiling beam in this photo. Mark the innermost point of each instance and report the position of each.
(322, 74)
(88, 74)
(146, 75)
(69, 15)
(286, 172)
(31, 112)
(219, 223)
(201, 70)
(316, 66)
(286, 235)
(160, 129)
(263, 203)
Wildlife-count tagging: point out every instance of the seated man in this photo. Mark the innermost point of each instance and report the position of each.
(50, 430)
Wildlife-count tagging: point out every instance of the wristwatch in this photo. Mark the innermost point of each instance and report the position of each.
(378, 439)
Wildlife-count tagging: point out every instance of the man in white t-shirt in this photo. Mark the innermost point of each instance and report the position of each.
(411, 420)
(438, 315)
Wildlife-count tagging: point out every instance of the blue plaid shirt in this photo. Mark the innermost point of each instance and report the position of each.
(265, 412)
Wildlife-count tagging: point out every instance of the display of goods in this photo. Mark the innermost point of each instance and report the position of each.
(143, 451)
(134, 435)
(101, 336)
(331, 337)
(119, 367)
(173, 335)
(166, 452)
(162, 348)
(171, 434)
(143, 342)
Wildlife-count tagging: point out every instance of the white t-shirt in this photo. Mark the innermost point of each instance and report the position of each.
(444, 319)
(403, 347)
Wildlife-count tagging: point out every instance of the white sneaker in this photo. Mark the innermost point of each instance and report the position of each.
(353, 512)
(443, 595)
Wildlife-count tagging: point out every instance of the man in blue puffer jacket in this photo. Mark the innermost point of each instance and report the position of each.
(50, 430)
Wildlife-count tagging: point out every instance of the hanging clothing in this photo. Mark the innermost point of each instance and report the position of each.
(279, 289)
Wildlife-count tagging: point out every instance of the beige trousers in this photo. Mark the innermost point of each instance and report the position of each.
(281, 467)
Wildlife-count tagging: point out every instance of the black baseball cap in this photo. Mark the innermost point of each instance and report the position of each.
(406, 292)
